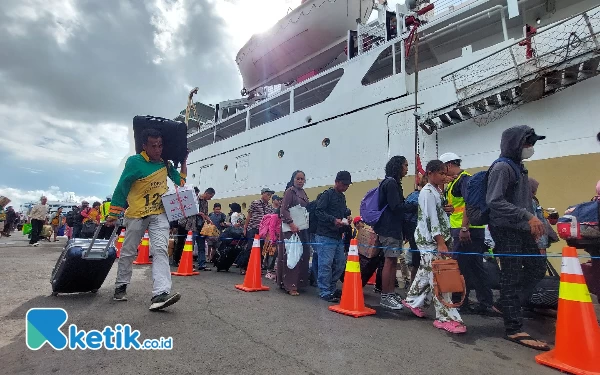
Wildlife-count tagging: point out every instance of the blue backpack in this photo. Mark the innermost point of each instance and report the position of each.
(369, 206)
(475, 196)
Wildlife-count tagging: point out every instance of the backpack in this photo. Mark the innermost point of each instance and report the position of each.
(475, 196)
(74, 216)
(369, 206)
(312, 216)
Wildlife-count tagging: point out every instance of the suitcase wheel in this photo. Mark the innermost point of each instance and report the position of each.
(54, 294)
(94, 291)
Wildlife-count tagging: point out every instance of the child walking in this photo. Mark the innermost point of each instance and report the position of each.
(433, 239)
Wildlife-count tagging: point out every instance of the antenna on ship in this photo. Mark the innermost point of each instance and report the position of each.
(413, 40)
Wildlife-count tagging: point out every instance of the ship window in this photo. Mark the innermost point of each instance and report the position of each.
(225, 167)
(230, 127)
(280, 154)
(270, 110)
(382, 68)
(325, 142)
(316, 91)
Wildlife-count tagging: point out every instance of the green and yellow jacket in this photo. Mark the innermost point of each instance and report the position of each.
(142, 185)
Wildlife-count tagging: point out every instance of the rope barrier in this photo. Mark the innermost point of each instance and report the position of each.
(484, 254)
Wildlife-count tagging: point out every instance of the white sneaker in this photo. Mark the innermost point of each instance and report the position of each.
(390, 302)
(36, 244)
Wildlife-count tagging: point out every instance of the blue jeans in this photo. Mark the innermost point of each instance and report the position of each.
(201, 250)
(331, 263)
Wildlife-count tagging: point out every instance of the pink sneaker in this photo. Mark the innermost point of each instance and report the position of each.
(415, 310)
(450, 326)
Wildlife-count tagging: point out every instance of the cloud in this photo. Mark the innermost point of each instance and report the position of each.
(74, 73)
(53, 193)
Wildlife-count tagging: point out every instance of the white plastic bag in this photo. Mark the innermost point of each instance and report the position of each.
(299, 215)
(293, 249)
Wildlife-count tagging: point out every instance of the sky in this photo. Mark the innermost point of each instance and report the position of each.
(74, 73)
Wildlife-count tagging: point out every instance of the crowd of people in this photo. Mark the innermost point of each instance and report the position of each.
(432, 220)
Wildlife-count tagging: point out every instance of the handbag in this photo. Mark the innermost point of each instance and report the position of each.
(447, 279)
(293, 248)
(299, 215)
(209, 230)
(88, 229)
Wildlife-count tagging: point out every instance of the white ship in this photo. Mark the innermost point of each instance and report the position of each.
(322, 97)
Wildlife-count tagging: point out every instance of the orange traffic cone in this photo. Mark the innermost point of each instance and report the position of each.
(577, 330)
(353, 301)
(253, 279)
(186, 263)
(143, 251)
(373, 279)
(119, 244)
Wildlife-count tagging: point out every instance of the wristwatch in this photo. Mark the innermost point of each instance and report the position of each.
(464, 229)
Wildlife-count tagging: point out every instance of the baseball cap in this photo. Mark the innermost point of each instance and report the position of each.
(267, 190)
(532, 137)
(357, 220)
(344, 177)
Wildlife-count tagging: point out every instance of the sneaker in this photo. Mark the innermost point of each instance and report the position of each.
(161, 301)
(389, 302)
(337, 293)
(36, 244)
(270, 276)
(415, 310)
(450, 326)
(120, 293)
(330, 298)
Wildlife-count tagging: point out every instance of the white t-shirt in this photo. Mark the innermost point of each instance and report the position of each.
(237, 218)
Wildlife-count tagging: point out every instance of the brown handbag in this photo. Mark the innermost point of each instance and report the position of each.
(447, 279)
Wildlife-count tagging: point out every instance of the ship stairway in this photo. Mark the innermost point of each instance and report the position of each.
(560, 56)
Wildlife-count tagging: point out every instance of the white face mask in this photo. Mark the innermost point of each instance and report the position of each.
(527, 153)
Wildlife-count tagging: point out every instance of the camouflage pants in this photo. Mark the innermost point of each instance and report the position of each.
(421, 294)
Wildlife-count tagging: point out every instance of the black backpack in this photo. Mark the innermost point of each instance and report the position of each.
(74, 217)
(312, 216)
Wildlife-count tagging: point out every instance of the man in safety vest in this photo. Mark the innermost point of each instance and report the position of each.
(105, 231)
(467, 239)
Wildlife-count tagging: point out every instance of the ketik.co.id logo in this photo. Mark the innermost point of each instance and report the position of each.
(44, 324)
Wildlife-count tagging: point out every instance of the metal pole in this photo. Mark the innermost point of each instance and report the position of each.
(416, 43)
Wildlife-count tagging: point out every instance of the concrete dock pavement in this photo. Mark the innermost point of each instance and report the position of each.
(219, 329)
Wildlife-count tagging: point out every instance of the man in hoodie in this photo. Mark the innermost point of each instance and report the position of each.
(515, 229)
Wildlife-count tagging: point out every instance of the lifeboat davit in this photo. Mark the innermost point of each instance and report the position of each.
(307, 39)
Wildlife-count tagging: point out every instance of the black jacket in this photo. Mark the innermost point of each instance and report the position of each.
(330, 206)
(391, 220)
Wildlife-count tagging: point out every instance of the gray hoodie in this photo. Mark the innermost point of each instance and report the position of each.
(509, 203)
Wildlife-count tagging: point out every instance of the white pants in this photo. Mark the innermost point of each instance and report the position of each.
(158, 231)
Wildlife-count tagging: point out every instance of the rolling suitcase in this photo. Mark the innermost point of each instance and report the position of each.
(83, 264)
(174, 136)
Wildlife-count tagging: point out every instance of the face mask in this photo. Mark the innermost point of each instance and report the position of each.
(527, 153)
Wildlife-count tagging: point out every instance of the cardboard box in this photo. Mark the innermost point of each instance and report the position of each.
(180, 202)
(4, 201)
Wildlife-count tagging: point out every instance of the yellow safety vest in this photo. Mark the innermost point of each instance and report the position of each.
(459, 205)
(104, 210)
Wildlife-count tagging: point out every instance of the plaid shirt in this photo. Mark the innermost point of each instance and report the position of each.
(257, 210)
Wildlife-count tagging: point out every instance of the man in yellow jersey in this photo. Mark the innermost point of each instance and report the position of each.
(468, 240)
(105, 231)
(141, 186)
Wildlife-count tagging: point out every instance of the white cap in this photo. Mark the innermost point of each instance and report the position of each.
(449, 156)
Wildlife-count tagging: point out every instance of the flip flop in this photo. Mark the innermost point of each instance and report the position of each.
(520, 340)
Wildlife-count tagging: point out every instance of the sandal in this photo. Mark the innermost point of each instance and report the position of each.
(525, 337)
(293, 293)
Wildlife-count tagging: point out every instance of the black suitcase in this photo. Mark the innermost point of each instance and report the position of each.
(545, 293)
(174, 136)
(226, 254)
(83, 265)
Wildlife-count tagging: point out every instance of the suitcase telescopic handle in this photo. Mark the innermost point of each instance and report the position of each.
(108, 244)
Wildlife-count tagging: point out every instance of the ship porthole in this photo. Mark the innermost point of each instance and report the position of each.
(280, 154)
(325, 142)
(194, 175)
(225, 167)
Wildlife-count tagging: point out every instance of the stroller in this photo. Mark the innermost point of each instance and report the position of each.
(232, 242)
